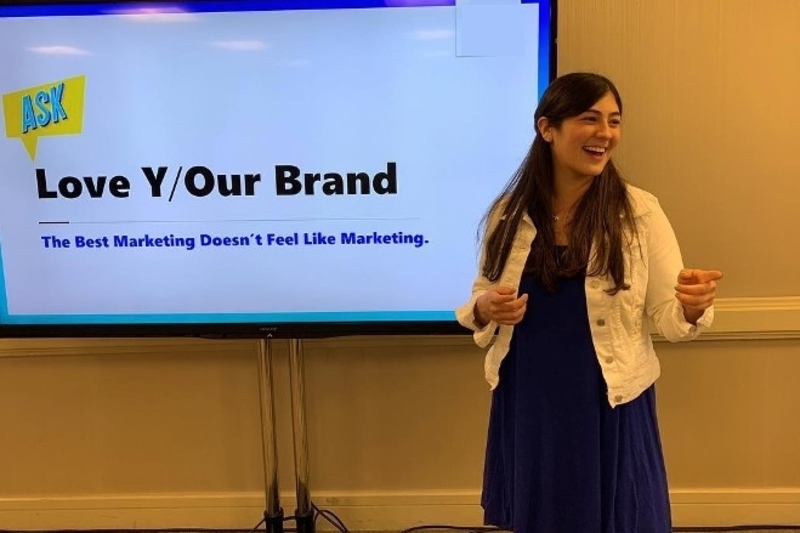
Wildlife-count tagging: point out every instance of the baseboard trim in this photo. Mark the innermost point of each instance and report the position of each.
(360, 511)
(736, 507)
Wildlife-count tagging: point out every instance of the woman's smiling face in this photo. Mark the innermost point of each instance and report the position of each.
(583, 144)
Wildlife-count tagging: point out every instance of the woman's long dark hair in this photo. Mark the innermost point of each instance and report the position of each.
(600, 217)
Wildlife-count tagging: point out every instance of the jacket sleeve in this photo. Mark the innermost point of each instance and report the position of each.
(665, 263)
(465, 314)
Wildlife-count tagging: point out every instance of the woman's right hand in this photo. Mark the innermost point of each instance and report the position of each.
(500, 305)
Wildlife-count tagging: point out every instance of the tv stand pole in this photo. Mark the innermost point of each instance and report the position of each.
(273, 515)
(304, 515)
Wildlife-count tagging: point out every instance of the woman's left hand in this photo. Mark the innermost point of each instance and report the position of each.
(696, 290)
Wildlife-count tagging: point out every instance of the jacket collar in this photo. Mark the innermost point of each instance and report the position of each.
(640, 203)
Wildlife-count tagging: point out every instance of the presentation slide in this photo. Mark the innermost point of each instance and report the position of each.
(302, 161)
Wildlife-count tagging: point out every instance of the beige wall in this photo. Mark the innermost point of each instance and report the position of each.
(710, 89)
(166, 433)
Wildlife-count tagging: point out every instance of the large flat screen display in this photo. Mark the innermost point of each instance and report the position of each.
(292, 168)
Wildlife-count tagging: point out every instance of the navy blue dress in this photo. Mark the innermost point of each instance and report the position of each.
(559, 459)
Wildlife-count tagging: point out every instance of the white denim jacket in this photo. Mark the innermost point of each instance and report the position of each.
(620, 324)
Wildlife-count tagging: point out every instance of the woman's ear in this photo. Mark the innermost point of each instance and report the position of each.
(545, 129)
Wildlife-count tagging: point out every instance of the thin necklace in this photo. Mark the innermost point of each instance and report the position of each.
(557, 216)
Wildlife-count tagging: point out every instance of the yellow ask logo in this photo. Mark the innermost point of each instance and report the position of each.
(50, 109)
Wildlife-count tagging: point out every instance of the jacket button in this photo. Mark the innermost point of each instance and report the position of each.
(609, 360)
(618, 398)
(601, 322)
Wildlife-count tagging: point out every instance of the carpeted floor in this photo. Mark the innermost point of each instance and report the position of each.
(740, 529)
(325, 527)
(736, 530)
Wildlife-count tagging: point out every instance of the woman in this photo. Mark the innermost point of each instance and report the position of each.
(577, 269)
